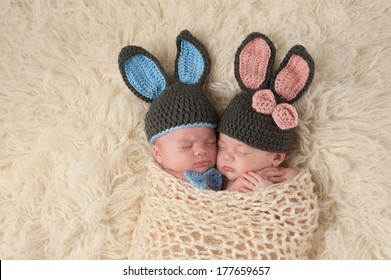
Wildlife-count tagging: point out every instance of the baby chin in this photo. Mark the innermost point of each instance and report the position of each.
(230, 176)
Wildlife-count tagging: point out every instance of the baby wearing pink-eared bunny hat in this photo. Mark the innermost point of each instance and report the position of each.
(257, 127)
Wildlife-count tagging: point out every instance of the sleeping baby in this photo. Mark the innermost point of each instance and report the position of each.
(257, 128)
(180, 123)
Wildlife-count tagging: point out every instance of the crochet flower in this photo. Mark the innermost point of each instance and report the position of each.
(284, 115)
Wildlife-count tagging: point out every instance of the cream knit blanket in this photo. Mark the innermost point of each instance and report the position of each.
(178, 221)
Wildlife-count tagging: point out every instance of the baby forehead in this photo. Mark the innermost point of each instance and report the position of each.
(191, 134)
(227, 141)
(223, 138)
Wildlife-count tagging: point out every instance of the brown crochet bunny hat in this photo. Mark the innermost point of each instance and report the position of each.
(262, 115)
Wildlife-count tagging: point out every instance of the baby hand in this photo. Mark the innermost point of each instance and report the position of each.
(272, 174)
(249, 182)
(253, 181)
(236, 186)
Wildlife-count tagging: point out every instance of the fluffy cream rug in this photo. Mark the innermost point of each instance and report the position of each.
(72, 145)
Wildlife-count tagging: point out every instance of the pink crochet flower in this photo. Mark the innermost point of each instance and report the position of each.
(284, 115)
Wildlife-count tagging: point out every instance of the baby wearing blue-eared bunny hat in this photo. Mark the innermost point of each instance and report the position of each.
(180, 123)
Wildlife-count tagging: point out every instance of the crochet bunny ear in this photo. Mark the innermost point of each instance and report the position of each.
(294, 75)
(192, 64)
(142, 73)
(254, 61)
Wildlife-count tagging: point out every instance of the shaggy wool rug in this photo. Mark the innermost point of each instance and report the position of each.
(72, 145)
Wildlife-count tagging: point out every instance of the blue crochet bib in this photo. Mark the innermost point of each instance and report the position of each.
(211, 178)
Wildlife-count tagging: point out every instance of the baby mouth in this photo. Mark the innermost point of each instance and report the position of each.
(228, 169)
(203, 163)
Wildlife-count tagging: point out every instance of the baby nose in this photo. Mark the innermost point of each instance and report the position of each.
(228, 156)
(200, 151)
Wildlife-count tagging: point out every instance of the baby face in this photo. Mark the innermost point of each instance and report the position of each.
(235, 158)
(192, 149)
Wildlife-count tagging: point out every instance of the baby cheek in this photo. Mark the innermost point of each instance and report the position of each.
(219, 160)
(219, 155)
(242, 166)
(213, 152)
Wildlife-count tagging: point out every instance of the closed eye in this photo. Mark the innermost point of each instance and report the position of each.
(185, 147)
(220, 147)
(243, 153)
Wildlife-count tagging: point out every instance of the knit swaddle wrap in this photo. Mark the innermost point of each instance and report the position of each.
(178, 221)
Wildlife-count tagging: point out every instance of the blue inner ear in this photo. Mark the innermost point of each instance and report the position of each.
(145, 76)
(191, 64)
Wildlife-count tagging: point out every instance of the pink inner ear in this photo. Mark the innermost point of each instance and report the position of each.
(253, 63)
(292, 78)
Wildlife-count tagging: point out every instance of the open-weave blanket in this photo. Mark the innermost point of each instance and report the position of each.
(178, 221)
